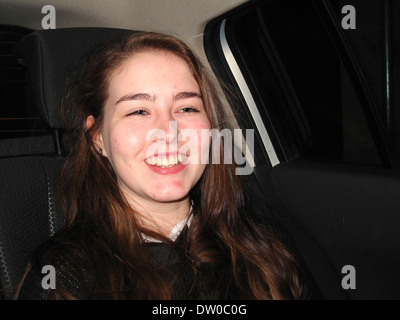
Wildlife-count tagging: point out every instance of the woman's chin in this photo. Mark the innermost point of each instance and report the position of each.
(170, 196)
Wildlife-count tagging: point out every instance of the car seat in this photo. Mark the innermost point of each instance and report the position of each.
(28, 211)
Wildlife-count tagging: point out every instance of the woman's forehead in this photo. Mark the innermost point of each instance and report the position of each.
(148, 72)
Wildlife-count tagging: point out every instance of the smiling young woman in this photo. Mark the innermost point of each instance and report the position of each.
(150, 90)
(154, 227)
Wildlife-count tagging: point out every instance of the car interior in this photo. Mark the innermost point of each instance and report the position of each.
(325, 142)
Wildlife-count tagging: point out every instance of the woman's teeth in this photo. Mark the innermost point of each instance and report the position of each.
(165, 162)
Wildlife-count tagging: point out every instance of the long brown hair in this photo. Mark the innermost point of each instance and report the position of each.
(248, 258)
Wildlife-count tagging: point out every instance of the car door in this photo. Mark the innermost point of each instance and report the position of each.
(318, 83)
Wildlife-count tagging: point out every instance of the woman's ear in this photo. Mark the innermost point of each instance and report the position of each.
(96, 136)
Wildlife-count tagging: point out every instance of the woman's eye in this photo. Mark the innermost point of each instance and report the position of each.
(138, 113)
(188, 109)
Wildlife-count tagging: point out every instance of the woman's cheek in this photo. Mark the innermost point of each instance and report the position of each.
(204, 132)
(126, 142)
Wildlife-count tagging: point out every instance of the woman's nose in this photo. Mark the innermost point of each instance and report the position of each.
(169, 127)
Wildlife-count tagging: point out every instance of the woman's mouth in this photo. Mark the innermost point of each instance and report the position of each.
(166, 161)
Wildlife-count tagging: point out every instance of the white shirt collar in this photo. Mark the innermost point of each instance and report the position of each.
(175, 232)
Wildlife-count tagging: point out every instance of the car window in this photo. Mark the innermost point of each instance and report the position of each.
(305, 73)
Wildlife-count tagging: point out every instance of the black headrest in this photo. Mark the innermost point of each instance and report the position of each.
(50, 57)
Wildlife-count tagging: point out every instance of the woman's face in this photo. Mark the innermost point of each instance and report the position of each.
(153, 98)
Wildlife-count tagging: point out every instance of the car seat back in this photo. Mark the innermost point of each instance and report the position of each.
(29, 214)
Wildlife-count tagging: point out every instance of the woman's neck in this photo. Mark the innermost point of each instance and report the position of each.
(161, 217)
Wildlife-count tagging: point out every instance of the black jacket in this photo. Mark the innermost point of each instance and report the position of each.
(76, 274)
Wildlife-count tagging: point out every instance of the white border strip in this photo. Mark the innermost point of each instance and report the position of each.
(230, 59)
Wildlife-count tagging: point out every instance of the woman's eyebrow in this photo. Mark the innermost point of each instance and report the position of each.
(137, 96)
(147, 97)
(186, 95)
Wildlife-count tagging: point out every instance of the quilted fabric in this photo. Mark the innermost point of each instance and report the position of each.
(27, 214)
